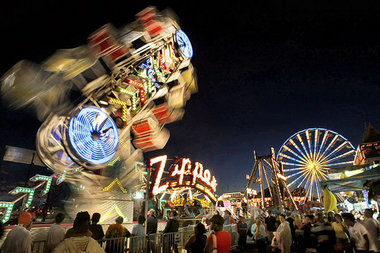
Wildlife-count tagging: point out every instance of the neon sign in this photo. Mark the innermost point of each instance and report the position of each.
(183, 173)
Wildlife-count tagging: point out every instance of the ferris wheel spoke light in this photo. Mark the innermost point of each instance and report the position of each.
(332, 143)
(337, 149)
(304, 178)
(341, 156)
(292, 169)
(291, 158)
(309, 141)
(291, 164)
(286, 148)
(295, 180)
(296, 146)
(303, 146)
(316, 140)
(324, 139)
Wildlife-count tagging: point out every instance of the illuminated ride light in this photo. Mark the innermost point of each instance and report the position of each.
(139, 85)
(133, 96)
(123, 104)
(8, 206)
(61, 178)
(179, 171)
(115, 181)
(112, 163)
(308, 155)
(157, 188)
(112, 208)
(93, 135)
(184, 44)
(29, 191)
(43, 178)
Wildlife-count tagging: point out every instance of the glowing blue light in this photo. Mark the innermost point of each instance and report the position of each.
(93, 135)
(146, 64)
(184, 44)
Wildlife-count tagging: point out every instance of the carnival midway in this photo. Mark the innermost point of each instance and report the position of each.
(315, 193)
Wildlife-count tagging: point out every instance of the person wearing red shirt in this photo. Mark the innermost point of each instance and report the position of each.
(218, 239)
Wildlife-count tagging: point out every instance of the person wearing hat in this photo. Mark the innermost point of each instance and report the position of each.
(19, 239)
(218, 239)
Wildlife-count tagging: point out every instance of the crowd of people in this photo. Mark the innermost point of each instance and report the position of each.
(85, 235)
(318, 232)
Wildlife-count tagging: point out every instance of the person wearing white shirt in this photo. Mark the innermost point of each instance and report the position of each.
(358, 233)
(56, 232)
(372, 227)
(19, 239)
(137, 240)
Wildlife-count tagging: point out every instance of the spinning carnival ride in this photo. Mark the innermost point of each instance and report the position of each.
(308, 155)
(105, 103)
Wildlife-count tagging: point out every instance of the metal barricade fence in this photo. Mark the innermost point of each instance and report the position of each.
(153, 243)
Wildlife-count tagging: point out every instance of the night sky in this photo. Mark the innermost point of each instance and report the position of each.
(265, 71)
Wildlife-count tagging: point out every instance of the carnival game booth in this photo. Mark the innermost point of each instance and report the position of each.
(104, 104)
(182, 185)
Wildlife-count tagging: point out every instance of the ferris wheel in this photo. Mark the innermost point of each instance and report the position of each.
(308, 155)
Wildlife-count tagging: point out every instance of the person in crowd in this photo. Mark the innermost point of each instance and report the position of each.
(358, 233)
(324, 234)
(330, 217)
(298, 237)
(56, 233)
(290, 219)
(80, 240)
(205, 223)
(197, 242)
(219, 239)
(19, 238)
(151, 222)
(297, 222)
(137, 240)
(171, 227)
(259, 235)
(270, 224)
(95, 228)
(372, 227)
(340, 233)
(242, 228)
(151, 229)
(309, 242)
(139, 229)
(115, 232)
(73, 231)
(283, 235)
(227, 217)
(232, 218)
(173, 224)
